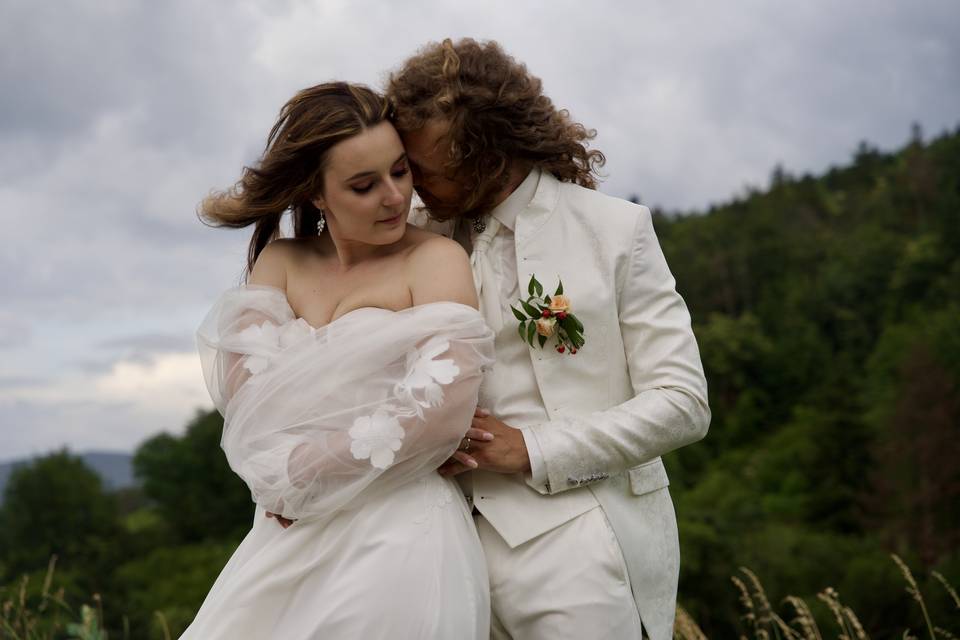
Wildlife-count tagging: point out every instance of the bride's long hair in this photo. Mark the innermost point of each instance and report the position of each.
(289, 174)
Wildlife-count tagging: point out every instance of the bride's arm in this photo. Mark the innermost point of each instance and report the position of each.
(439, 270)
(270, 269)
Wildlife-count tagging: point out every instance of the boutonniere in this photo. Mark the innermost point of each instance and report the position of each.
(545, 317)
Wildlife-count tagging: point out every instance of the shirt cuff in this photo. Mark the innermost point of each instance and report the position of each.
(538, 467)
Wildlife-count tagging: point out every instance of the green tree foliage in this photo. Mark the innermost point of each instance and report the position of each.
(827, 311)
(56, 505)
(193, 487)
(172, 580)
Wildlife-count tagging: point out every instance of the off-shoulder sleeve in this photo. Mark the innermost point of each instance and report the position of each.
(238, 336)
(336, 416)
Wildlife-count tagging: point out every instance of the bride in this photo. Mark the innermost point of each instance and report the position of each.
(347, 370)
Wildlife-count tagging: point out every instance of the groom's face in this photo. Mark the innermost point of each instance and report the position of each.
(428, 151)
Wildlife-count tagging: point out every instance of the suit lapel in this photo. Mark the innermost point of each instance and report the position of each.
(533, 240)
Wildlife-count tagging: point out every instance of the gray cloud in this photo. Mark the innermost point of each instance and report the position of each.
(154, 342)
(118, 118)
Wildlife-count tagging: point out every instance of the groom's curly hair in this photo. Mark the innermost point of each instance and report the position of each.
(498, 114)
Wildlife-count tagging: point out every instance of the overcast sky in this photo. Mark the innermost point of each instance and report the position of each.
(117, 117)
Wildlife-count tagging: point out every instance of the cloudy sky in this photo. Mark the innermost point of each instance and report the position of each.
(116, 117)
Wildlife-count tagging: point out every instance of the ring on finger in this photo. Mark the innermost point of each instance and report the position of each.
(465, 444)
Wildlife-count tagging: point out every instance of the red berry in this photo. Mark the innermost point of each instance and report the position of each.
(572, 351)
(561, 315)
(561, 349)
(545, 313)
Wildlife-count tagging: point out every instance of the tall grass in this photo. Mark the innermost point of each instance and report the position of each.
(762, 622)
(47, 616)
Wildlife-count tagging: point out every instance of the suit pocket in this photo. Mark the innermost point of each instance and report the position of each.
(648, 477)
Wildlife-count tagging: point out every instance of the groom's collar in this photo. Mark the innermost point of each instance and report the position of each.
(507, 211)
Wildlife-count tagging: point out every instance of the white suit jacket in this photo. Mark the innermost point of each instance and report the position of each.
(635, 391)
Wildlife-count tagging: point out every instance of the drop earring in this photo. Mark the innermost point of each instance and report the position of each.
(321, 223)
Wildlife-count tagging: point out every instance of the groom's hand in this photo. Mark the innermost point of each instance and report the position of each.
(506, 452)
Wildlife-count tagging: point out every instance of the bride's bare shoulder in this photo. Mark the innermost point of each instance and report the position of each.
(439, 271)
(274, 262)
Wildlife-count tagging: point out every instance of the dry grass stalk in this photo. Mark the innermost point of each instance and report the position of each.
(831, 598)
(685, 628)
(767, 617)
(804, 619)
(948, 587)
(47, 581)
(855, 623)
(747, 601)
(163, 624)
(914, 591)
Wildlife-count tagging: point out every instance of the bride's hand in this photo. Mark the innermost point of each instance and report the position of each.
(462, 461)
(284, 522)
(507, 454)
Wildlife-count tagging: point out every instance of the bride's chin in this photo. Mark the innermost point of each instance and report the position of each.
(390, 235)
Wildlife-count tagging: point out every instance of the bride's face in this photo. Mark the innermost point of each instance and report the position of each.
(367, 187)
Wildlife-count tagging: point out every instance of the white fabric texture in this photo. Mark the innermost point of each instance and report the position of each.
(511, 393)
(543, 590)
(489, 295)
(342, 428)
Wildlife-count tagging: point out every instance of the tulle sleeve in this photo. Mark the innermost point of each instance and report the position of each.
(317, 420)
(238, 337)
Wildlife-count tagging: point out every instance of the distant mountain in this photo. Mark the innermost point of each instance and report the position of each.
(114, 468)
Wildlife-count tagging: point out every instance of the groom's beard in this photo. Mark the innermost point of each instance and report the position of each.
(449, 208)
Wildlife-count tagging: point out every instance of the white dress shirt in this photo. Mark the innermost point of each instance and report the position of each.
(510, 390)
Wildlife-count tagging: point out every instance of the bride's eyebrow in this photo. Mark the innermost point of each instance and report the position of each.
(364, 174)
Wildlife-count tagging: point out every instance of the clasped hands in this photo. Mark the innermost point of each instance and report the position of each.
(493, 445)
(488, 444)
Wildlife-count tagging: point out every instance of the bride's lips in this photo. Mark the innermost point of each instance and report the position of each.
(393, 220)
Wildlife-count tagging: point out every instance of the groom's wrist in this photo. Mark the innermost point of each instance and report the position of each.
(538, 467)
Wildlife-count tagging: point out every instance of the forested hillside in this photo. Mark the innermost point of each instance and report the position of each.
(827, 310)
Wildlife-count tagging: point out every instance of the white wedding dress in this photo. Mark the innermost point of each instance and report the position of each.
(341, 428)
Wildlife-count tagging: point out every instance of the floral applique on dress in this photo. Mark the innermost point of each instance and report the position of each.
(376, 437)
(379, 436)
(421, 387)
(267, 339)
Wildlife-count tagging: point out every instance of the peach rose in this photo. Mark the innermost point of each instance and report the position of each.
(559, 304)
(546, 326)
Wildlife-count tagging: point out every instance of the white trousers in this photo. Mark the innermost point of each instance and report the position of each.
(570, 582)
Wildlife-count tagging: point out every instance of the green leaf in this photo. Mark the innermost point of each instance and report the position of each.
(531, 331)
(559, 291)
(576, 321)
(537, 286)
(547, 300)
(523, 330)
(531, 287)
(542, 340)
(531, 310)
(518, 314)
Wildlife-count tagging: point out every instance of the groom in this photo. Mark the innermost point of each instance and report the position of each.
(570, 495)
